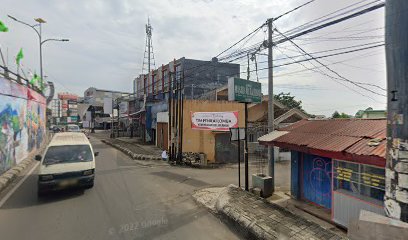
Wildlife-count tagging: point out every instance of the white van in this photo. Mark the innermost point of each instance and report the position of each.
(69, 161)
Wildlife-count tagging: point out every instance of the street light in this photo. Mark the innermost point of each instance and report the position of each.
(39, 21)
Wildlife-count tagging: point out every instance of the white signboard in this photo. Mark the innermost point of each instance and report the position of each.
(234, 134)
(123, 108)
(85, 124)
(216, 121)
(107, 105)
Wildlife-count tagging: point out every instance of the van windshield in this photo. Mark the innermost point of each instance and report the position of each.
(68, 154)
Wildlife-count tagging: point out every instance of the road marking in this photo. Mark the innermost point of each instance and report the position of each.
(8, 195)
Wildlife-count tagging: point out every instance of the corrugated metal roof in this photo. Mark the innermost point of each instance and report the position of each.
(363, 148)
(343, 127)
(272, 136)
(338, 135)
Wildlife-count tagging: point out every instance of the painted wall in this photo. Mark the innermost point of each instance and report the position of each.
(22, 122)
(317, 180)
(204, 140)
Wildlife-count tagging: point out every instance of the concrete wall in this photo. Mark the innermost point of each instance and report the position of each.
(22, 122)
(346, 208)
(204, 140)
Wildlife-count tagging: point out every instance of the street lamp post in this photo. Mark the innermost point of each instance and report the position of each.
(39, 21)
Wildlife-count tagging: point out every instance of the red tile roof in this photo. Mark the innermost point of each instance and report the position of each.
(345, 136)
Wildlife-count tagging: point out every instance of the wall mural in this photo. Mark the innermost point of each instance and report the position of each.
(22, 122)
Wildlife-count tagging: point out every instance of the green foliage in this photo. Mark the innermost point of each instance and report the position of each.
(288, 100)
(336, 114)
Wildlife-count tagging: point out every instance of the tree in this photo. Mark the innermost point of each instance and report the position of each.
(289, 101)
(336, 114)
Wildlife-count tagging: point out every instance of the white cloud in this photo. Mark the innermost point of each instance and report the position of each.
(107, 41)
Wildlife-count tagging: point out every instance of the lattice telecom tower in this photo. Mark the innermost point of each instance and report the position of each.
(148, 57)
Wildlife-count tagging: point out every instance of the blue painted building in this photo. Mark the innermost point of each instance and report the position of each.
(337, 165)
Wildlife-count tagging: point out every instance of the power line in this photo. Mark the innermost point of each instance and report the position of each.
(233, 45)
(331, 70)
(246, 51)
(364, 11)
(333, 63)
(275, 18)
(329, 55)
(294, 9)
(330, 50)
(282, 40)
(326, 17)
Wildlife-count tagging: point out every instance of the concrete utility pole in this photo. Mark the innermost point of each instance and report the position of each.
(396, 42)
(271, 162)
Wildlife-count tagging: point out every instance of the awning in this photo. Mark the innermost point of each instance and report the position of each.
(271, 136)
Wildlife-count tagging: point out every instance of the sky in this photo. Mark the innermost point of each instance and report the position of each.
(107, 43)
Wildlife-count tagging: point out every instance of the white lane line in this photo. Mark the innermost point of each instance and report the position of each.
(8, 195)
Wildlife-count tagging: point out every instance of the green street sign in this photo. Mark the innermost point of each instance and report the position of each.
(241, 90)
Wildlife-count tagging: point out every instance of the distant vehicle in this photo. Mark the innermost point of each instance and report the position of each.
(73, 128)
(56, 129)
(69, 161)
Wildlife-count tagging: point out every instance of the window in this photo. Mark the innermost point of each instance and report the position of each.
(68, 154)
(360, 179)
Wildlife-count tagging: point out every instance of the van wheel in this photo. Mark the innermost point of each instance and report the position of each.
(90, 185)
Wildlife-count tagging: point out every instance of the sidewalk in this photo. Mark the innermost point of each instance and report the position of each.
(260, 219)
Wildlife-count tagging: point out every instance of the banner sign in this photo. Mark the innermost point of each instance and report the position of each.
(216, 121)
(241, 90)
(123, 108)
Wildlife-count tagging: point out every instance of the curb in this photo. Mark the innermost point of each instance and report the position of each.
(131, 154)
(10, 175)
(253, 226)
(136, 156)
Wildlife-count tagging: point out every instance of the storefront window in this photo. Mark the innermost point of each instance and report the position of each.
(360, 179)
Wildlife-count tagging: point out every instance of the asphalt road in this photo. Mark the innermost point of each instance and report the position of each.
(128, 201)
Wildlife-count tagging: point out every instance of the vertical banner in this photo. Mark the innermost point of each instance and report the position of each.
(107, 105)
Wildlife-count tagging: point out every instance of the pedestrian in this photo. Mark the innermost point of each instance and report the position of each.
(164, 155)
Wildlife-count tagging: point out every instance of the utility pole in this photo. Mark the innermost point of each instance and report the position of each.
(246, 149)
(271, 157)
(40, 21)
(396, 169)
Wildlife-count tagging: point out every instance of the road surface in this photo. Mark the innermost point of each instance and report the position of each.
(129, 201)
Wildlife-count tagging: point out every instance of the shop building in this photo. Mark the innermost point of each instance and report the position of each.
(336, 164)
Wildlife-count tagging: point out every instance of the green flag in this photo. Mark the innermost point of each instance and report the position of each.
(19, 56)
(34, 80)
(42, 86)
(3, 27)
